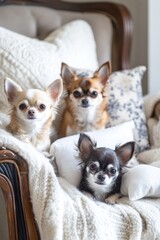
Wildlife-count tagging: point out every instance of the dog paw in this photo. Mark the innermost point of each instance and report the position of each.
(112, 199)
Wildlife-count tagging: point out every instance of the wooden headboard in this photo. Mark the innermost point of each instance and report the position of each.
(119, 15)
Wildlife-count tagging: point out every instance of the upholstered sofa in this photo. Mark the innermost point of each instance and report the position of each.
(35, 37)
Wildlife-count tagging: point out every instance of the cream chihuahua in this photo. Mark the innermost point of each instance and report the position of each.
(86, 100)
(32, 112)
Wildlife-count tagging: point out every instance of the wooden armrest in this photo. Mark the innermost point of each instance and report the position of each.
(15, 188)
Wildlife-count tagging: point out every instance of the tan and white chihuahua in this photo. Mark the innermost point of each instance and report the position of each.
(86, 100)
(32, 112)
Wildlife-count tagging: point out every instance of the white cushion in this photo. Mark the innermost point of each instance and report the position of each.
(75, 44)
(66, 155)
(35, 64)
(141, 181)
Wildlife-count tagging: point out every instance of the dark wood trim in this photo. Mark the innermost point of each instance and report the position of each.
(118, 13)
(9, 157)
(8, 194)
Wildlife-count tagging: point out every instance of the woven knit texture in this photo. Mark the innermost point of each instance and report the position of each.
(63, 212)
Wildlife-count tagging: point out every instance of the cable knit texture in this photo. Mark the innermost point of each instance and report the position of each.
(62, 212)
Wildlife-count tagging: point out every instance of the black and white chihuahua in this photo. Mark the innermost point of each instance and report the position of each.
(102, 168)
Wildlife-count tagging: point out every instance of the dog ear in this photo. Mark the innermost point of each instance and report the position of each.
(104, 72)
(55, 89)
(11, 89)
(85, 146)
(125, 152)
(67, 74)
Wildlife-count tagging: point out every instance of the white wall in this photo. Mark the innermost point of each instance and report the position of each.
(153, 45)
(139, 54)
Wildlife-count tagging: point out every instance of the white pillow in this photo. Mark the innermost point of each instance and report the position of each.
(141, 181)
(76, 44)
(35, 64)
(66, 155)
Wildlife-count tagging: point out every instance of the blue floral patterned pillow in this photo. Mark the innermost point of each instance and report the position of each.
(126, 103)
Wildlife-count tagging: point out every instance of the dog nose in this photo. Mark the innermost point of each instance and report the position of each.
(31, 112)
(85, 102)
(101, 177)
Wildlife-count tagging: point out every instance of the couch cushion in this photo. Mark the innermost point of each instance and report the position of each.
(34, 64)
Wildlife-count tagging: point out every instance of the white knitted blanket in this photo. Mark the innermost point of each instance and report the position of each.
(63, 212)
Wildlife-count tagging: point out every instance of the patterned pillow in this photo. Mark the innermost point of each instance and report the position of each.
(126, 103)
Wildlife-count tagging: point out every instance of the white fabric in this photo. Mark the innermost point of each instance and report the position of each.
(66, 155)
(64, 213)
(75, 44)
(156, 164)
(150, 101)
(144, 180)
(152, 154)
(141, 181)
(35, 64)
(153, 124)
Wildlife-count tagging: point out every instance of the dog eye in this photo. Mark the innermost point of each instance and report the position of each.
(94, 94)
(76, 94)
(93, 167)
(22, 106)
(42, 106)
(112, 171)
